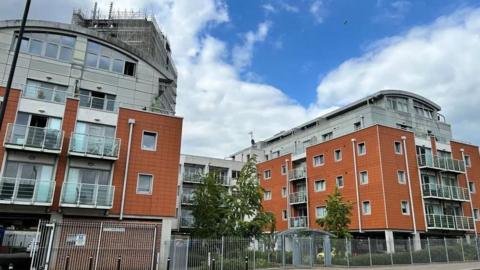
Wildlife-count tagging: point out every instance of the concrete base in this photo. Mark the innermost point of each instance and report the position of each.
(417, 244)
(389, 241)
(165, 239)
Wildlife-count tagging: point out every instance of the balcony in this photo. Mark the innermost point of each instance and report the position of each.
(187, 198)
(46, 94)
(449, 222)
(298, 197)
(96, 103)
(223, 180)
(94, 146)
(440, 163)
(192, 178)
(26, 191)
(87, 195)
(33, 138)
(298, 222)
(186, 222)
(296, 174)
(445, 192)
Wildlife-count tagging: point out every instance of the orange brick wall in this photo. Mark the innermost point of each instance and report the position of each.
(10, 113)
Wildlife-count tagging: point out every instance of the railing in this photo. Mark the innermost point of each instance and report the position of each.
(298, 197)
(20, 136)
(97, 103)
(84, 144)
(223, 180)
(298, 222)
(297, 174)
(26, 191)
(186, 222)
(449, 222)
(446, 192)
(192, 178)
(87, 195)
(42, 93)
(187, 198)
(442, 163)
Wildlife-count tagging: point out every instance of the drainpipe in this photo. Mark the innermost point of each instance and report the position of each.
(288, 193)
(469, 193)
(131, 122)
(404, 139)
(356, 185)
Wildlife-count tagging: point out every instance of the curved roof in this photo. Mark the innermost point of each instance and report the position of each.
(91, 33)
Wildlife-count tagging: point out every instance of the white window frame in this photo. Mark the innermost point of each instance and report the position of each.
(360, 176)
(284, 192)
(151, 184)
(468, 161)
(316, 211)
(265, 197)
(363, 208)
(324, 185)
(407, 213)
(473, 188)
(265, 174)
(156, 140)
(404, 181)
(395, 148)
(321, 164)
(476, 214)
(336, 181)
(364, 146)
(283, 169)
(284, 214)
(335, 155)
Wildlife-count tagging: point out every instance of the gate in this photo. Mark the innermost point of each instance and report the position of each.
(95, 245)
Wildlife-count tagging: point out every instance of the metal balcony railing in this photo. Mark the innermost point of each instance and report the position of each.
(192, 178)
(187, 198)
(298, 222)
(223, 180)
(186, 222)
(298, 197)
(96, 146)
(46, 94)
(97, 103)
(440, 163)
(445, 192)
(298, 173)
(449, 222)
(87, 195)
(33, 138)
(26, 191)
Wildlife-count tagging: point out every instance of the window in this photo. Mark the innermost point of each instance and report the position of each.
(327, 136)
(467, 161)
(338, 155)
(401, 177)
(471, 187)
(339, 181)
(235, 174)
(267, 195)
(423, 110)
(284, 192)
(361, 149)
(48, 45)
(363, 177)
(267, 174)
(45, 91)
(398, 104)
(320, 185)
(398, 148)
(321, 212)
(405, 208)
(149, 141)
(318, 160)
(97, 100)
(476, 214)
(357, 125)
(284, 169)
(284, 215)
(105, 58)
(366, 208)
(144, 184)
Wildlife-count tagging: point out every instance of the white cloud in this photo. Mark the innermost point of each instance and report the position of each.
(242, 54)
(269, 8)
(318, 10)
(437, 61)
(392, 11)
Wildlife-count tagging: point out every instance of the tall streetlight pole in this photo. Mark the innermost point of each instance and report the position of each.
(14, 63)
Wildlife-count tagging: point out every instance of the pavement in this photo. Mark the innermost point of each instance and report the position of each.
(439, 266)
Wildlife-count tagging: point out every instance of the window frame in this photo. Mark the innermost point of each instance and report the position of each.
(363, 208)
(284, 192)
(283, 169)
(336, 181)
(407, 213)
(265, 197)
(360, 176)
(320, 164)
(269, 174)
(320, 207)
(318, 181)
(156, 140)
(476, 214)
(395, 143)
(404, 182)
(338, 150)
(471, 187)
(151, 184)
(284, 214)
(468, 161)
(364, 147)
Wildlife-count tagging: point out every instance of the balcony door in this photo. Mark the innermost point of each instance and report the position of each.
(94, 138)
(37, 130)
(87, 186)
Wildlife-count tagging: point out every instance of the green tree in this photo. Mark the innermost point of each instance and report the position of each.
(338, 215)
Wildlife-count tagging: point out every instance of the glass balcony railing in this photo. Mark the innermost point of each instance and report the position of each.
(47, 94)
(187, 198)
(87, 195)
(298, 222)
(33, 138)
(445, 192)
(440, 163)
(298, 197)
(97, 103)
(298, 173)
(186, 221)
(88, 145)
(449, 222)
(192, 178)
(26, 191)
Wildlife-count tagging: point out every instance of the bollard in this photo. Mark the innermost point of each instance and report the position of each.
(246, 262)
(119, 260)
(213, 264)
(67, 262)
(168, 263)
(10, 266)
(90, 263)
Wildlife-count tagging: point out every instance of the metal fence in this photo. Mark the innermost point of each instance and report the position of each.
(309, 252)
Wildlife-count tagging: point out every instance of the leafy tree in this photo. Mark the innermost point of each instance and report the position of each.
(338, 215)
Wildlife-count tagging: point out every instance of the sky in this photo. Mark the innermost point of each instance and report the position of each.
(264, 66)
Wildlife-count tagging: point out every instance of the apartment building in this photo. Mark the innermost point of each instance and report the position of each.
(192, 170)
(391, 154)
(88, 116)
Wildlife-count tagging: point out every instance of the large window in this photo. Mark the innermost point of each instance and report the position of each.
(20, 179)
(423, 110)
(145, 184)
(45, 91)
(48, 45)
(105, 58)
(149, 141)
(97, 100)
(398, 104)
